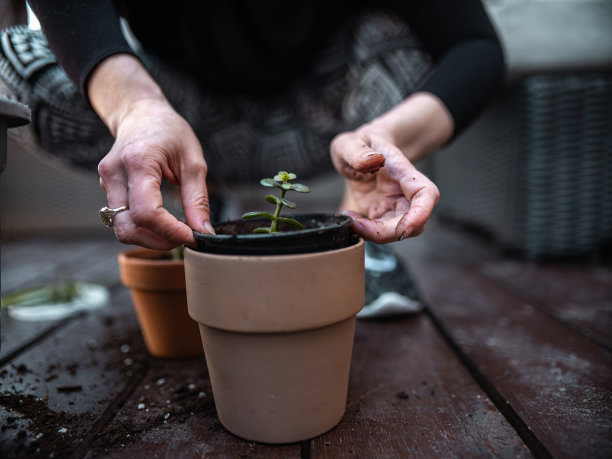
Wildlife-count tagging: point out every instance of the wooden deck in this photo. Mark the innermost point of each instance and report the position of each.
(510, 359)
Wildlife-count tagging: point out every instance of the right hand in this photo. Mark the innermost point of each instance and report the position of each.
(153, 141)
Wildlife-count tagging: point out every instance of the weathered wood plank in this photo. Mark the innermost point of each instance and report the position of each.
(531, 360)
(30, 263)
(172, 414)
(409, 396)
(79, 376)
(17, 335)
(578, 294)
(52, 395)
(556, 380)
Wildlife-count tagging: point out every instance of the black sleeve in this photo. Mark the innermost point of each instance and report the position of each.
(80, 34)
(469, 59)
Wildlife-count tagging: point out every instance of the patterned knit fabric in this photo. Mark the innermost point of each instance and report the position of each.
(372, 64)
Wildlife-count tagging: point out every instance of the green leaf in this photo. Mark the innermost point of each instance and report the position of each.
(62, 292)
(301, 188)
(287, 186)
(290, 204)
(269, 183)
(272, 199)
(258, 215)
(291, 222)
(262, 230)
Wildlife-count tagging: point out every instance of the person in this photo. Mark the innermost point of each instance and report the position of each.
(258, 50)
(197, 93)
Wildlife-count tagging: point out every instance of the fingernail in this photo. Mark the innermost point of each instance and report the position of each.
(371, 153)
(358, 226)
(209, 228)
(405, 234)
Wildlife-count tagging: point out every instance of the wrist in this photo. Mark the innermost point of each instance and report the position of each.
(119, 83)
(417, 126)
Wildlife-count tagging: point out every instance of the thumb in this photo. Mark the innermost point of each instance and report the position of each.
(353, 157)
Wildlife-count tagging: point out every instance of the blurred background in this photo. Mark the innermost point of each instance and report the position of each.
(534, 171)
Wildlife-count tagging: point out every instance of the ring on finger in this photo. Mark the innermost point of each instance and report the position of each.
(108, 215)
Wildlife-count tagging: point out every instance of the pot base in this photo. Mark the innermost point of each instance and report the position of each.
(281, 387)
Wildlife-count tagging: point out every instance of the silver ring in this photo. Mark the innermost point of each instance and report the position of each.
(108, 215)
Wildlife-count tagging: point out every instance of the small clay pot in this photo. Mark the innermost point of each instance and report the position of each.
(278, 334)
(157, 288)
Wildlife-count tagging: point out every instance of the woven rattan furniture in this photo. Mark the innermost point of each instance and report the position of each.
(535, 170)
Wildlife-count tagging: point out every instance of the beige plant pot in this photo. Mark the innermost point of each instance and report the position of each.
(157, 288)
(278, 335)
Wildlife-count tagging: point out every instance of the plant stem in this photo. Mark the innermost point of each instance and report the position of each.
(279, 206)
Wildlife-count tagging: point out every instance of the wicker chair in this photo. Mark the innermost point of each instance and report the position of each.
(535, 170)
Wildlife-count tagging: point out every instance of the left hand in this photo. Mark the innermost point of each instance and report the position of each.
(387, 197)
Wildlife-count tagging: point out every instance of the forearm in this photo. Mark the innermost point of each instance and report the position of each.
(116, 84)
(417, 126)
(468, 57)
(81, 34)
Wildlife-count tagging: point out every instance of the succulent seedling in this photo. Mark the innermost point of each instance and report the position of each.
(281, 181)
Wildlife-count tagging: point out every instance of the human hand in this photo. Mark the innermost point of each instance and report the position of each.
(387, 197)
(154, 142)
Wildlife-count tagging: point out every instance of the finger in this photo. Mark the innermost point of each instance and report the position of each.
(127, 233)
(367, 161)
(351, 213)
(354, 158)
(196, 205)
(147, 211)
(113, 181)
(378, 230)
(422, 204)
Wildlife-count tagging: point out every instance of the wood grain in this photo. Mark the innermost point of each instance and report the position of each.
(410, 397)
(552, 377)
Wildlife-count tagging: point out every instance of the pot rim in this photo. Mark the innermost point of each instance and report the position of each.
(355, 241)
(143, 256)
(345, 220)
(241, 293)
(148, 273)
(334, 232)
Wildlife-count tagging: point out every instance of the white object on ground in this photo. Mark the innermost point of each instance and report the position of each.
(390, 304)
(90, 296)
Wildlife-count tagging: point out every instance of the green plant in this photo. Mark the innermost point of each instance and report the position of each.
(61, 292)
(177, 253)
(281, 181)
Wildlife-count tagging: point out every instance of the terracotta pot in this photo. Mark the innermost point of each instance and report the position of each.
(278, 335)
(157, 287)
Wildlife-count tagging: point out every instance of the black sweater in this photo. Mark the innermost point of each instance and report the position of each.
(259, 45)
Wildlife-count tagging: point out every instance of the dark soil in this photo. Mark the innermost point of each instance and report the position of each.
(238, 227)
(322, 232)
(243, 227)
(49, 440)
(172, 393)
(30, 428)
